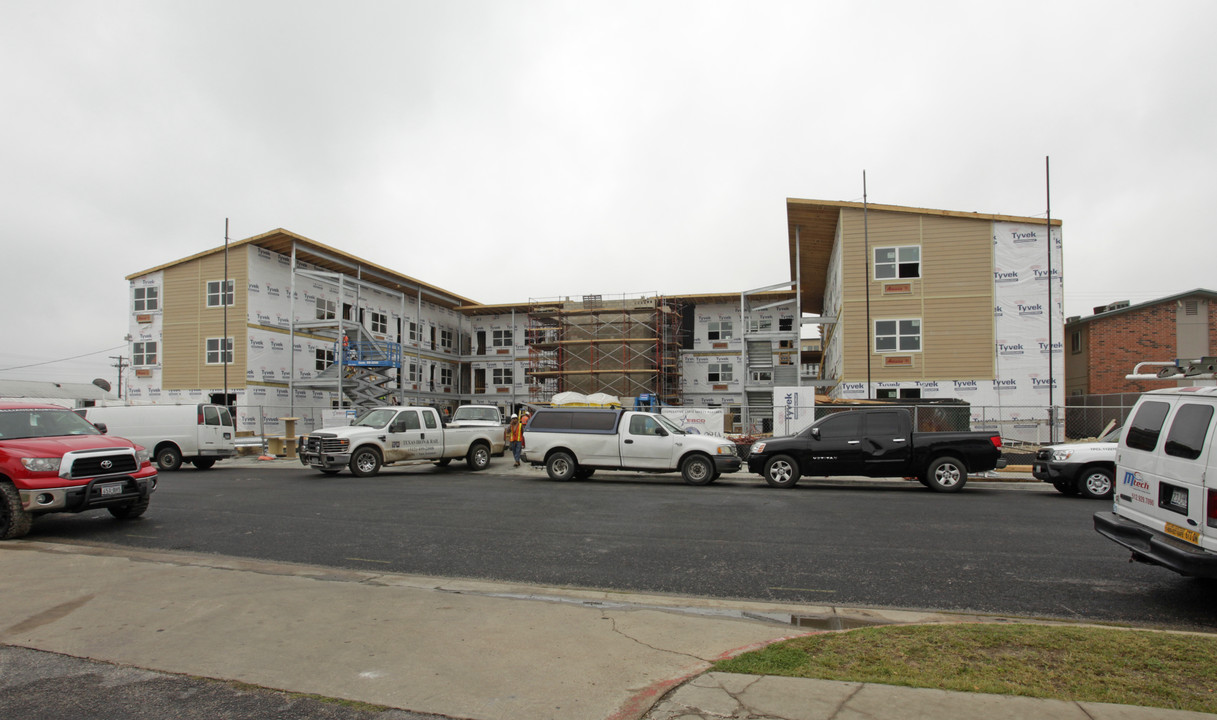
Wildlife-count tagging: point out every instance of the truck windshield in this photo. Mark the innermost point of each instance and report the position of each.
(377, 418)
(468, 412)
(43, 423)
(671, 426)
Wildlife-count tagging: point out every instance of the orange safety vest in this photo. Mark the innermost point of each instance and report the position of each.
(516, 432)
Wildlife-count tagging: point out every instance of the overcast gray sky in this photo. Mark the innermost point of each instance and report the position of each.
(511, 150)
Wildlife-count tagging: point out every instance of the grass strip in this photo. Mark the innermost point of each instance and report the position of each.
(1129, 667)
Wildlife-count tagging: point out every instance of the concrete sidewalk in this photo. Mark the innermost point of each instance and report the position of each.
(457, 648)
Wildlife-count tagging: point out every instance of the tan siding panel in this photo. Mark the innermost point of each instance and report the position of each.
(954, 296)
(187, 323)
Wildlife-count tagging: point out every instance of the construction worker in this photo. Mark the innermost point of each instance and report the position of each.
(515, 435)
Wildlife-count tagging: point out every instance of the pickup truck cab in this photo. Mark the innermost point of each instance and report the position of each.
(1165, 509)
(387, 435)
(1086, 468)
(477, 415)
(876, 442)
(575, 442)
(52, 460)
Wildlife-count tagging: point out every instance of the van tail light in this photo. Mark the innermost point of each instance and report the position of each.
(996, 440)
(200, 420)
(1211, 510)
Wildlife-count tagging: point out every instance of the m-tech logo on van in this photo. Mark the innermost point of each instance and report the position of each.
(1133, 478)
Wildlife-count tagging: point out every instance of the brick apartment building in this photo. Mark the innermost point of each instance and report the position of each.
(1105, 347)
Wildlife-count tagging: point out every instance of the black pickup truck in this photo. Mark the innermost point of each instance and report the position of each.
(876, 442)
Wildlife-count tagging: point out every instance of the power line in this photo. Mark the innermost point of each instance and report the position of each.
(51, 362)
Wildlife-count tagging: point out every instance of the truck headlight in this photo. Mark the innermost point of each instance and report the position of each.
(1061, 455)
(726, 450)
(143, 455)
(757, 448)
(41, 464)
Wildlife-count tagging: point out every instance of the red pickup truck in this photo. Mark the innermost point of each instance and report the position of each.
(53, 460)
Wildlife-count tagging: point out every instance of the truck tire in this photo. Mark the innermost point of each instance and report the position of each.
(365, 462)
(946, 474)
(1096, 483)
(168, 458)
(561, 466)
(1065, 487)
(14, 520)
(697, 470)
(443, 462)
(478, 457)
(584, 473)
(204, 463)
(130, 510)
(781, 471)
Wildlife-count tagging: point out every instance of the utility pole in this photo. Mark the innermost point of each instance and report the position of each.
(121, 363)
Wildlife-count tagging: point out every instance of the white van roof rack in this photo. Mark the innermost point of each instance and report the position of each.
(1204, 368)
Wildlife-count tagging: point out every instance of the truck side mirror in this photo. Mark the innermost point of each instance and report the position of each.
(101, 427)
(815, 433)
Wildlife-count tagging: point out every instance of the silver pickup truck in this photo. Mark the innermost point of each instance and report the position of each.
(575, 442)
(388, 435)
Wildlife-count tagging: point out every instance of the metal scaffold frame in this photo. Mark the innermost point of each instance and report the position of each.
(623, 346)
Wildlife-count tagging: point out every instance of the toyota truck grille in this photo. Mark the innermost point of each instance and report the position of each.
(93, 465)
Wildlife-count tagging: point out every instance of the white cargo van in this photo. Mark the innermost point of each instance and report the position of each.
(199, 434)
(1166, 482)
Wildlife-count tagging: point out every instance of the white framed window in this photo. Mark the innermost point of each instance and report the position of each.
(217, 295)
(412, 374)
(762, 376)
(324, 358)
(898, 335)
(763, 325)
(1075, 342)
(143, 353)
(378, 322)
(500, 338)
(326, 309)
(445, 338)
(445, 376)
(146, 298)
(719, 330)
(413, 334)
(903, 261)
(720, 372)
(785, 324)
(501, 376)
(219, 351)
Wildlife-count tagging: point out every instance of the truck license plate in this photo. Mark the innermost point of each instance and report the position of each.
(112, 489)
(1183, 533)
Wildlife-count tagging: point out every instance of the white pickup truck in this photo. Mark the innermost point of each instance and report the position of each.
(387, 435)
(1087, 469)
(575, 442)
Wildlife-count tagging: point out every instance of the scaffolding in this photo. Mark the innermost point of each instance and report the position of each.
(623, 346)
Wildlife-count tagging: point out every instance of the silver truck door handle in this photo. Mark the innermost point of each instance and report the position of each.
(854, 442)
(898, 440)
(629, 442)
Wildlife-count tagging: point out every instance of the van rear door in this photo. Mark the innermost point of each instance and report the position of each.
(1161, 466)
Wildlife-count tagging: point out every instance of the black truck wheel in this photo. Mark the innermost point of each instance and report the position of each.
(946, 474)
(478, 457)
(130, 510)
(781, 471)
(1065, 487)
(14, 520)
(697, 470)
(561, 466)
(168, 458)
(1096, 483)
(365, 462)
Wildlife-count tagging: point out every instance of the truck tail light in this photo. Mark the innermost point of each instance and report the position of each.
(996, 440)
(200, 420)
(1211, 508)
